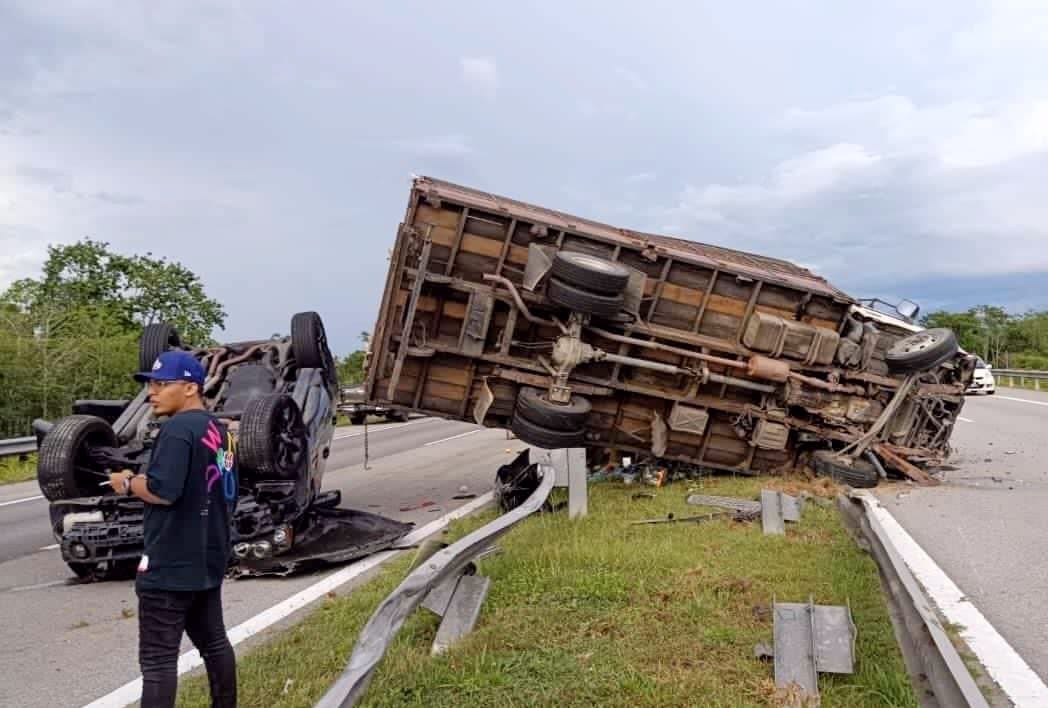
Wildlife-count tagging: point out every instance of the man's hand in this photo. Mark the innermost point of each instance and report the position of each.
(117, 480)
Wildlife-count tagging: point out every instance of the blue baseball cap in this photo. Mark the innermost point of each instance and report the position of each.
(174, 366)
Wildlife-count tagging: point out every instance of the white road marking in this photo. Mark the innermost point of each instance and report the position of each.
(453, 437)
(52, 547)
(384, 429)
(964, 420)
(1005, 666)
(40, 586)
(1020, 400)
(132, 691)
(20, 501)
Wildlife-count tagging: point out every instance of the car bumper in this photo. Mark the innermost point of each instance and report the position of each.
(982, 387)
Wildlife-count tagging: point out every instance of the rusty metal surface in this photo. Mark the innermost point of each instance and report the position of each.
(763, 267)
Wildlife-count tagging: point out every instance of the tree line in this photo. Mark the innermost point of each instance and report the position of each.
(1003, 340)
(72, 332)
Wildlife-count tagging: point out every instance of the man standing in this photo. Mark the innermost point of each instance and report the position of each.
(190, 491)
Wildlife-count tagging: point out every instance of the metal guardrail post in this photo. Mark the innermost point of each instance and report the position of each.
(387, 620)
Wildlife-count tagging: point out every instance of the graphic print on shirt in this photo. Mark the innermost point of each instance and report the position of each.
(222, 467)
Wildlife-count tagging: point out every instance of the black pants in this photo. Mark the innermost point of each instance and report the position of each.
(162, 617)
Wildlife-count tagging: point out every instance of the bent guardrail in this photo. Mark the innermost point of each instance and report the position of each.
(387, 620)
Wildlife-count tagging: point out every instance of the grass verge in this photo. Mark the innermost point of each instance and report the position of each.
(599, 612)
(13, 469)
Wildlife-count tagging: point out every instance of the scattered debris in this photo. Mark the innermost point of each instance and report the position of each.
(468, 495)
(1010, 452)
(127, 613)
(763, 652)
(287, 685)
(898, 462)
(811, 639)
(777, 508)
(420, 505)
(744, 505)
(671, 519)
(642, 495)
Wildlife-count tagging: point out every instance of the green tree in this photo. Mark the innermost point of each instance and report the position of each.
(73, 331)
(351, 369)
(137, 290)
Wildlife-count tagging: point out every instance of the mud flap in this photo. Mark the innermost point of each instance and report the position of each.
(338, 536)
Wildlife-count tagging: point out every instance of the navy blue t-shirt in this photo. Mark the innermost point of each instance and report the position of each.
(187, 542)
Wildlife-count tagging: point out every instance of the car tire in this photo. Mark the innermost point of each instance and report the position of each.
(534, 405)
(861, 474)
(154, 341)
(574, 298)
(309, 343)
(591, 273)
(922, 351)
(272, 443)
(357, 419)
(64, 468)
(544, 437)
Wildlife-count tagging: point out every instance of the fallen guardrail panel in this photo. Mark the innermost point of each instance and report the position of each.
(811, 639)
(443, 565)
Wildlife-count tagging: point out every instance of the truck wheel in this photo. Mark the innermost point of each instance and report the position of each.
(544, 437)
(860, 474)
(590, 273)
(272, 442)
(922, 351)
(534, 405)
(309, 343)
(65, 469)
(154, 341)
(573, 298)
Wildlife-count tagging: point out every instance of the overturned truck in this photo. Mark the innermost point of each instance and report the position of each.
(574, 333)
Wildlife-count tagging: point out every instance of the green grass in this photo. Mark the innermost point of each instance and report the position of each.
(13, 469)
(599, 612)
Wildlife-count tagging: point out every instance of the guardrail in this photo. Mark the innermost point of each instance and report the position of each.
(17, 446)
(387, 620)
(1039, 378)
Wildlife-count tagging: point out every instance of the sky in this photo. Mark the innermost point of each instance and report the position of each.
(899, 149)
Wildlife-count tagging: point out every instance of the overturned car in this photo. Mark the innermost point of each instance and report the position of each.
(277, 396)
(574, 333)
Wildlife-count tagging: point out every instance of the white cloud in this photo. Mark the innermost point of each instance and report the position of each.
(481, 73)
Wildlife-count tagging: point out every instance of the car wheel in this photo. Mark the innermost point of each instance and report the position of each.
(597, 275)
(574, 298)
(154, 341)
(65, 469)
(534, 405)
(272, 443)
(546, 438)
(860, 474)
(922, 351)
(309, 343)
(357, 419)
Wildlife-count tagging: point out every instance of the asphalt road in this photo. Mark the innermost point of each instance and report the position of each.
(987, 527)
(65, 644)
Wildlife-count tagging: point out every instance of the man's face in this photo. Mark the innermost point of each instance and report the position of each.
(169, 397)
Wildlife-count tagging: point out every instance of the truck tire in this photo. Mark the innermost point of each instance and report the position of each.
(597, 275)
(544, 437)
(573, 298)
(154, 341)
(861, 474)
(64, 470)
(309, 343)
(534, 405)
(272, 443)
(921, 351)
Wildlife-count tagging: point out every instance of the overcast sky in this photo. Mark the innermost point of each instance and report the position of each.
(897, 148)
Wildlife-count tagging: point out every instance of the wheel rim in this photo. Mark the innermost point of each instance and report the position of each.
(288, 441)
(920, 342)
